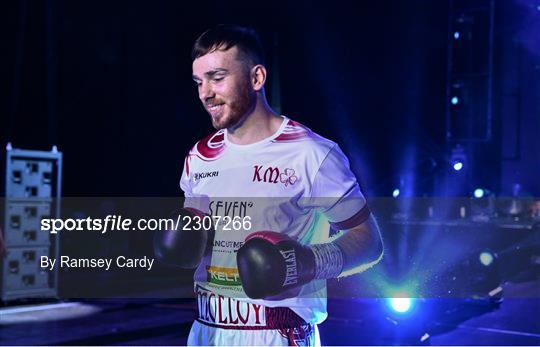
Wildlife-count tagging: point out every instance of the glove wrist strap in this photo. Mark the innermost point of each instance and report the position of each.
(328, 260)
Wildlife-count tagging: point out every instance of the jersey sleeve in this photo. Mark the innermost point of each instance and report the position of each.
(335, 192)
(185, 183)
(192, 200)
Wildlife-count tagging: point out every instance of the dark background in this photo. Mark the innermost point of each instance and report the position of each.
(109, 83)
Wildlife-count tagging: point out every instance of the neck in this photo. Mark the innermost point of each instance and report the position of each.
(263, 122)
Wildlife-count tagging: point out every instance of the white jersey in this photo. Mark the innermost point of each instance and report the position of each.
(294, 182)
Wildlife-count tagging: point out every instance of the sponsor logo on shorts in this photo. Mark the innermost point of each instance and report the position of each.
(224, 276)
(222, 310)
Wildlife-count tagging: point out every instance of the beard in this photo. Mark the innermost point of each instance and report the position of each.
(236, 109)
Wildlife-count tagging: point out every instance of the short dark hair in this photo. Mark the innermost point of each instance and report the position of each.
(224, 36)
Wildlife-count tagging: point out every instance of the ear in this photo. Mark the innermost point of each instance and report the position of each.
(258, 77)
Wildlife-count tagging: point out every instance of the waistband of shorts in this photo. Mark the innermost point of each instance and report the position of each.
(276, 318)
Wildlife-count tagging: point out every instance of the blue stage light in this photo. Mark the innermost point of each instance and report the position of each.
(486, 258)
(454, 100)
(479, 193)
(395, 193)
(458, 165)
(400, 305)
(456, 35)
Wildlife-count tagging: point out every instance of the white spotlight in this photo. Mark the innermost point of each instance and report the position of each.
(486, 258)
(458, 165)
(400, 305)
(479, 193)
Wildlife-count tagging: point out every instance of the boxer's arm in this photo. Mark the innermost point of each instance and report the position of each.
(337, 194)
(358, 247)
(270, 263)
(362, 247)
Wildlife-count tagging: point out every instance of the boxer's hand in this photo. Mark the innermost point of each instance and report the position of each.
(270, 263)
(181, 247)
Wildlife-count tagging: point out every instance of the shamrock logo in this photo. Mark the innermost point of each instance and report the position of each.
(288, 177)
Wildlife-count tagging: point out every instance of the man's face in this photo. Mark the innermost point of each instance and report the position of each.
(223, 83)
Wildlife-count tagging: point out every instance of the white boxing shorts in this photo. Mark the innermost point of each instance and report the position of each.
(225, 321)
